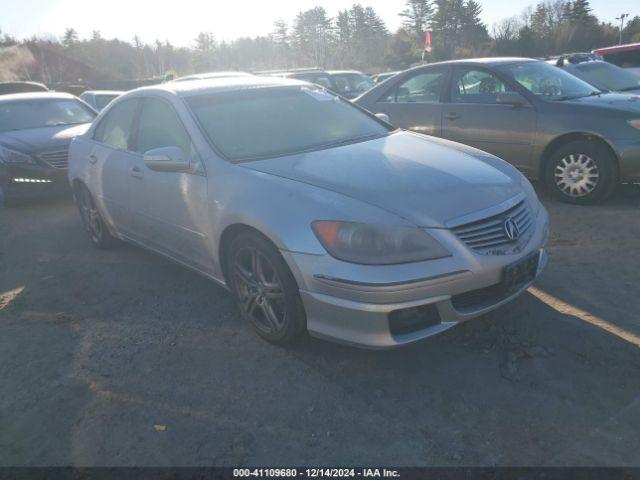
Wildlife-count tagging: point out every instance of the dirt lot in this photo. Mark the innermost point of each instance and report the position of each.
(99, 350)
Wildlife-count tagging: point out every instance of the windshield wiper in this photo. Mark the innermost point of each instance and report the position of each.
(568, 97)
(351, 140)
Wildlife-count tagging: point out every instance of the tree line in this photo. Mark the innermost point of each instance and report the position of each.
(356, 37)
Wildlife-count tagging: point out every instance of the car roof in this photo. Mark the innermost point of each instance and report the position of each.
(338, 72)
(104, 92)
(488, 61)
(35, 96)
(617, 48)
(23, 82)
(215, 85)
(205, 75)
(303, 73)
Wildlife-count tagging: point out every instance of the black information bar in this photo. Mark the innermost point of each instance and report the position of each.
(312, 473)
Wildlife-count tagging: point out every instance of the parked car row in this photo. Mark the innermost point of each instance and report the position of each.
(318, 213)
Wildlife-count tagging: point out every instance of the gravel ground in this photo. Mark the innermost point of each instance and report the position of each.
(123, 358)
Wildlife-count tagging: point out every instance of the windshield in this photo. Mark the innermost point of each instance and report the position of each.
(606, 76)
(104, 99)
(351, 82)
(38, 113)
(269, 122)
(547, 81)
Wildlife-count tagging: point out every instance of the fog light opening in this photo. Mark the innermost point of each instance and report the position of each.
(409, 320)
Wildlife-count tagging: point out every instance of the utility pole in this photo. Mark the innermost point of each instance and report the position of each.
(621, 18)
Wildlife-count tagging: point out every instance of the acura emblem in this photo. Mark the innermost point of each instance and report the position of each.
(511, 229)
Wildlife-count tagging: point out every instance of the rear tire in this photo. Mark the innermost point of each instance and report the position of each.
(266, 292)
(92, 220)
(581, 172)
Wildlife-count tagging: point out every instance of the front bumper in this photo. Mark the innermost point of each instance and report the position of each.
(629, 155)
(23, 182)
(355, 304)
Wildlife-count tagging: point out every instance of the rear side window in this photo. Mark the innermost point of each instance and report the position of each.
(115, 128)
(421, 88)
(159, 126)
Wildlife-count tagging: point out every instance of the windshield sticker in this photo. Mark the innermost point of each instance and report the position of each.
(319, 94)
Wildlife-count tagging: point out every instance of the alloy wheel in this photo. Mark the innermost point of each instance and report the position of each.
(259, 290)
(576, 175)
(90, 216)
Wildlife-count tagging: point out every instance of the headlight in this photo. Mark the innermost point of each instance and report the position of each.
(634, 123)
(376, 245)
(11, 157)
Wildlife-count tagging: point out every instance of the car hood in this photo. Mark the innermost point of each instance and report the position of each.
(36, 140)
(611, 101)
(422, 179)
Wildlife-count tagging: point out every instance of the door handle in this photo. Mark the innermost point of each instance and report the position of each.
(92, 158)
(452, 116)
(136, 172)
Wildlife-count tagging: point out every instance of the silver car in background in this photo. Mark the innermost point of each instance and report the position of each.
(317, 215)
(99, 99)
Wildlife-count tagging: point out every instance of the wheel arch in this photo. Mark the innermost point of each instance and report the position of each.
(231, 232)
(76, 182)
(565, 138)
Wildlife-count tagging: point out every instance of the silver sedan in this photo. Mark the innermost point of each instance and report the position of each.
(317, 215)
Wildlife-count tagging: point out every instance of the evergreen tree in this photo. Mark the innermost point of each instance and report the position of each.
(70, 37)
(205, 48)
(312, 36)
(417, 16)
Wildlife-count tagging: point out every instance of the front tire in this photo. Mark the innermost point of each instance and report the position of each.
(266, 292)
(92, 220)
(581, 172)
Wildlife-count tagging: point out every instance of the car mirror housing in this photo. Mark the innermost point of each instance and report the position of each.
(384, 117)
(511, 98)
(166, 159)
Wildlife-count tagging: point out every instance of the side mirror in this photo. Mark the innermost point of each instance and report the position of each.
(166, 159)
(511, 98)
(384, 117)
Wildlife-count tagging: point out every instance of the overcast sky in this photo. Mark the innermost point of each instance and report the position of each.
(180, 21)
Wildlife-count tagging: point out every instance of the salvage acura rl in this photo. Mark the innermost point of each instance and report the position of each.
(318, 216)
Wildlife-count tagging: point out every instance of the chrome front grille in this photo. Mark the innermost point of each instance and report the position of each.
(57, 159)
(489, 234)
